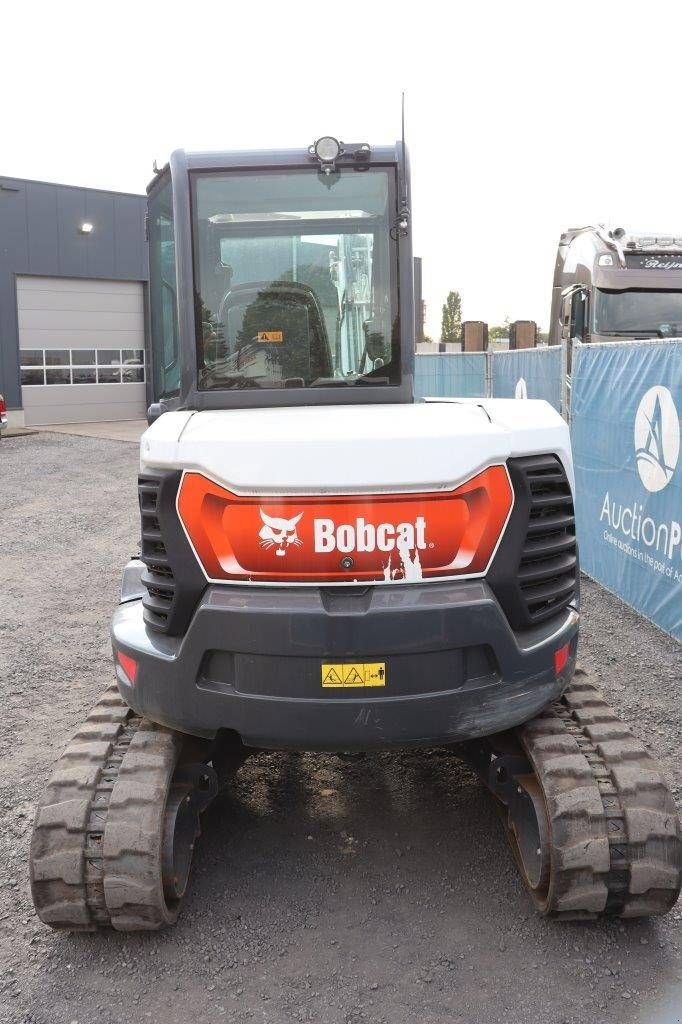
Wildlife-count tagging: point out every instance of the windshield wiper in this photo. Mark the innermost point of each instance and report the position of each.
(629, 334)
(347, 382)
(212, 382)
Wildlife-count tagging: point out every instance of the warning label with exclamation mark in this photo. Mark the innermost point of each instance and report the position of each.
(354, 674)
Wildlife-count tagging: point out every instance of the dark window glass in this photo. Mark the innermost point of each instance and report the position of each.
(57, 375)
(84, 375)
(578, 315)
(108, 356)
(82, 357)
(31, 357)
(133, 356)
(108, 374)
(296, 279)
(132, 373)
(162, 294)
(634, 313)
(56, 357)
(33, 376)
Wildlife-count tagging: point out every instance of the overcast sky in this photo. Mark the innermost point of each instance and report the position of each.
(523, 118)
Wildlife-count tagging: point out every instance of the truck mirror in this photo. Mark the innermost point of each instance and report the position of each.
(153, 412)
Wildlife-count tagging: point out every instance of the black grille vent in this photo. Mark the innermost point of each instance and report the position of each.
(534, 574)
(158, 576)
(172, 575)
(548, 567)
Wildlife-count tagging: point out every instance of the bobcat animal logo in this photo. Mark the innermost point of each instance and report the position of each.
(657, 438)
(279, 533)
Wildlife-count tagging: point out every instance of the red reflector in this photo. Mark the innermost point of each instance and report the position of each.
(560, 658)
(128, 664)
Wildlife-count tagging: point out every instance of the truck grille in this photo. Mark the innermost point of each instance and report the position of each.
(158, 576)
(548, 566)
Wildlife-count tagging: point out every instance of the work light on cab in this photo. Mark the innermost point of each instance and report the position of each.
(327, 149)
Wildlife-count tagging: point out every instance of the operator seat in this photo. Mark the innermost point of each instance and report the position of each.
(291, 312)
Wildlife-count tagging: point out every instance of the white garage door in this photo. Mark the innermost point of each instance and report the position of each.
(82, 349)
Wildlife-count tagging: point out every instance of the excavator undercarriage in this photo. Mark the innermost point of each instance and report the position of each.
(591, 823)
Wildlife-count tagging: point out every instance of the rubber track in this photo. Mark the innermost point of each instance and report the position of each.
(133, 835)
(96, 848)
(616, 837)
(63, 889)
(97, 840)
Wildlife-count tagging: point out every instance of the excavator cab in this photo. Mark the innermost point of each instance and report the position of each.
(281, 278)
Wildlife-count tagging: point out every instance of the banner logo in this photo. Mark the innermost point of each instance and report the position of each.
(521, 389)
(657, 438)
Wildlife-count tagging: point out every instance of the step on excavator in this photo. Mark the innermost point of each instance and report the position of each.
(327, 564)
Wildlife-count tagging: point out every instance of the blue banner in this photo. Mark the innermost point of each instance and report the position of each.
(626, 405)
(449, 375)
(528, 373)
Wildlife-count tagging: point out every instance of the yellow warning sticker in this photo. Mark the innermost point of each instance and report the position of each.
(271, 335)
(354, 674)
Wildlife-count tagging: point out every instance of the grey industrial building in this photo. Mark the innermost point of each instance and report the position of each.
(73, 296)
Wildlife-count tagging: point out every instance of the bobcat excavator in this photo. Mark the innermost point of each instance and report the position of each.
(328, 565)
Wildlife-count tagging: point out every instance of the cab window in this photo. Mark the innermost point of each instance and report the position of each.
(162, 294)
(296, 279)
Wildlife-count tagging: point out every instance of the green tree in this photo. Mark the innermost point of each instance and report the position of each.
(500, 330)
(451, 324)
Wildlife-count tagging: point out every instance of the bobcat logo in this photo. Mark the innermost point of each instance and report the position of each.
(279, 533)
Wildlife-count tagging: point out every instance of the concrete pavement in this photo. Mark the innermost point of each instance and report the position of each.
(121, 430)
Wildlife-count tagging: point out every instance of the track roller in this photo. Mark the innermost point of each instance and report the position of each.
(592, 824)
(116, 828)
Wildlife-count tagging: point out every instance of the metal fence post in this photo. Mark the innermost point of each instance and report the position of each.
(574, 344)
(488, 374)
(565, 409)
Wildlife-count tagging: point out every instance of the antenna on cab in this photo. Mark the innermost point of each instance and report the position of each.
(400, 228)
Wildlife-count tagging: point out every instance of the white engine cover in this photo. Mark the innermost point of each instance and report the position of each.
(354, 449)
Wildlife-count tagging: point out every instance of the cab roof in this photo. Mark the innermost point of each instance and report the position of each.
(252, 159)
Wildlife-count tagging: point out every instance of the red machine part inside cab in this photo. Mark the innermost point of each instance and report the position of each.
(342, 538)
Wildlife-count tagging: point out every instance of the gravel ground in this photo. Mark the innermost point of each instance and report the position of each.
(329, 890)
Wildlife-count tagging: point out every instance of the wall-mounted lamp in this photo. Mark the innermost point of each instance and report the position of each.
(86, 227)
